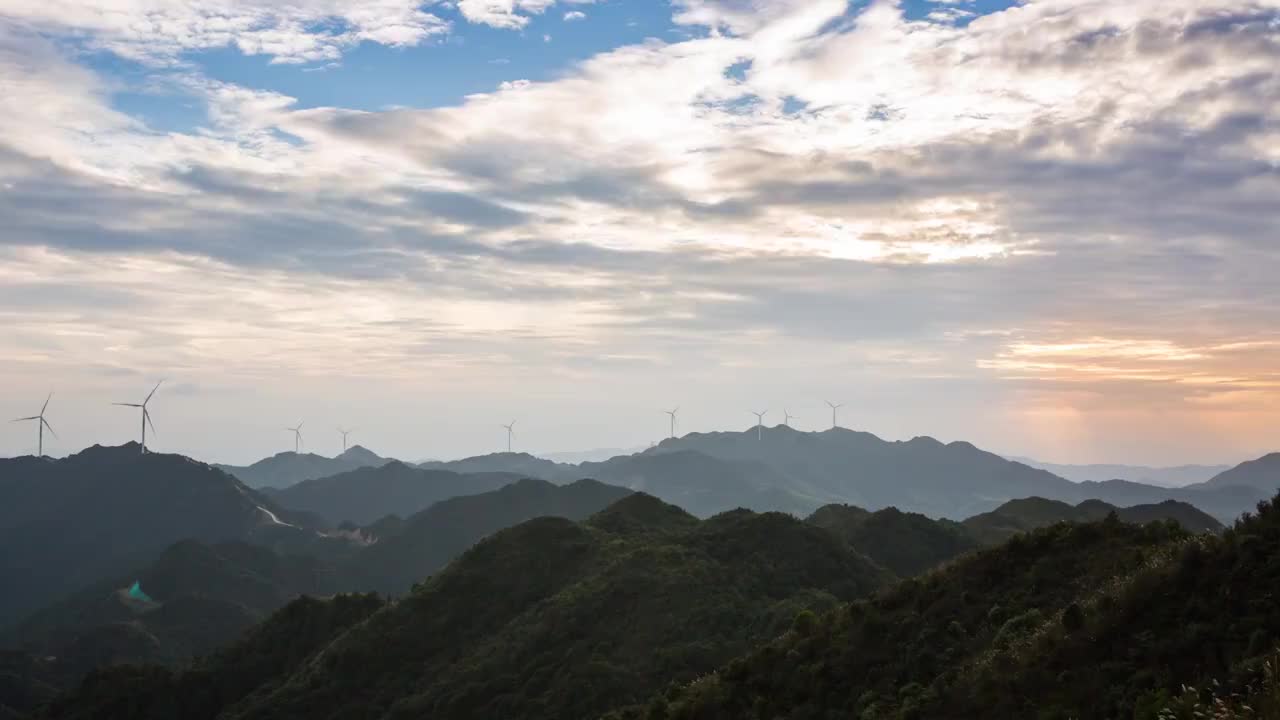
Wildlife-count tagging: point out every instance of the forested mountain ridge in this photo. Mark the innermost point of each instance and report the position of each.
(1092, 621)
(430, 539)
(910, 543)
(552, 619)
(364, 495)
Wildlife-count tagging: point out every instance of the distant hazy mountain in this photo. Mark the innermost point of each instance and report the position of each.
(1223, 503)
(1263, 474)
(696, 481)
(1179, 476)
(1028, 514)
(547, 620)
(702, 484)
(198, 598)
(920, 475)
(289, 468)
(522, 464)
(430, 539)
(67, 523)
(364, 495)
(953, 480)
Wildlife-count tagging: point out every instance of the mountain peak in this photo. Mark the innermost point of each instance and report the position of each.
(357, 453)
(641, 513)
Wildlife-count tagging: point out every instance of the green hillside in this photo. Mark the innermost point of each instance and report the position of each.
(1101, 620)
(550, 619)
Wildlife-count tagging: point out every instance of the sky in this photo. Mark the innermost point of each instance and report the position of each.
(1050, 227)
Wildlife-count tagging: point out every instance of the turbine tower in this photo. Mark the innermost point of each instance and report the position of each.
(41, 424)
(297, 437)
(345, 433)
(786, 417)
(510, 430)
(146, 415)
(834, 407)
(672, 413)
(759, 423)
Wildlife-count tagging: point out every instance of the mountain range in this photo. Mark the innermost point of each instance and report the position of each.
(574, 597)
(199, 597)
(556, 619)
(783, 469)
(631, 610)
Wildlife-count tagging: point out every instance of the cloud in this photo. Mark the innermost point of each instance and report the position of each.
(1068, 201)
(574, 15)
(160, 31)
(509, 14)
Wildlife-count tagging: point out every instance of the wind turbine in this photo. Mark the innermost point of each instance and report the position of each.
(41, 424)
(786, 417)
(759, 423)
(672, 413)
(146, 416)
(510, 430)
(834, 407)
(345, 433)
(297, 437)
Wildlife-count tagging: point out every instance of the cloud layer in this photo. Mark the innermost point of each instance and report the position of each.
(1069, 207)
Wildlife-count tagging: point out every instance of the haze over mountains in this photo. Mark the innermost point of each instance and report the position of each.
(1180, 476)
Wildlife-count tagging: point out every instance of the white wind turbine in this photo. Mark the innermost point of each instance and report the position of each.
(146, 415)
(345, 433)
(672, 413)
(510, 431)
(41, 424)
(786, 417)
(297, 437)
(834, 407)
(759, 423)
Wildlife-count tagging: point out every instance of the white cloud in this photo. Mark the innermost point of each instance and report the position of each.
(159, 31)
(1075, 169)
(574, 15)
(511, 14)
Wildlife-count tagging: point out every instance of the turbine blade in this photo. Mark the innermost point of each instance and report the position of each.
(147, 416)
(46, 404)
(153, 392)
(47, 425)
(33, 417)
(127, 404)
